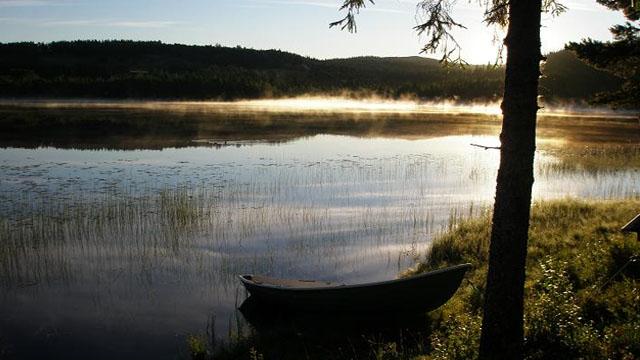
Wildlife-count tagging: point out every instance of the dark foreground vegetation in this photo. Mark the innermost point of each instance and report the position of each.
(581, 299)
(134, 69)
(581, 302)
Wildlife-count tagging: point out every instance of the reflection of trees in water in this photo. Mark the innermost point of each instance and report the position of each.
(156, 129)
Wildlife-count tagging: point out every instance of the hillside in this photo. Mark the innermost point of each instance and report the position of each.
(133, 69)
(569, 78)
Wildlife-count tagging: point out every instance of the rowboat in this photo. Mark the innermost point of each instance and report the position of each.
(423, 292)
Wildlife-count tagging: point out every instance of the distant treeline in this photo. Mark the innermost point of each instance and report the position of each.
(134, 69)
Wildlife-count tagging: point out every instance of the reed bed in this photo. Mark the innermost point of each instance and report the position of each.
(333, 213)
(140, 227)
(592, 157)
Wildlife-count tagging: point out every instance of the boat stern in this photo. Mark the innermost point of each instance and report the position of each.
(246, 278)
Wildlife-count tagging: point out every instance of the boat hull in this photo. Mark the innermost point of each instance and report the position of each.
(423, 292)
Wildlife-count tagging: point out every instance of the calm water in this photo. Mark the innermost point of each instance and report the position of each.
(123, 252)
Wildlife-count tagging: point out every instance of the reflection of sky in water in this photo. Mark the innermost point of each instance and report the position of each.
(330, 207)
(323, 170)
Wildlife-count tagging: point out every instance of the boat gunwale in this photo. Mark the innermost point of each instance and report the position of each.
(352, 286)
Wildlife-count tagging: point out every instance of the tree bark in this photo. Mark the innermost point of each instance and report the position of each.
(502, 326)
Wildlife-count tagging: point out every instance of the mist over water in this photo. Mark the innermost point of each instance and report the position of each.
(122, 251)
(323, 104)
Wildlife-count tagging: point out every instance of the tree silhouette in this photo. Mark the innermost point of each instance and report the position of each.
(502, 325)
(620, 57)
(143, 69)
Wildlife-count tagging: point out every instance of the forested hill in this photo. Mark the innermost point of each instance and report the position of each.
(133, 69)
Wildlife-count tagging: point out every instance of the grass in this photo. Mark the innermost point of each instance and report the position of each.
(593, 157)
(578, 305)
(575, 248)
(38, 246)
(575, 308)
(330, 215)
(322, 214)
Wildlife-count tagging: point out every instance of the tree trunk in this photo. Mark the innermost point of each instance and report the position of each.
(502, 325)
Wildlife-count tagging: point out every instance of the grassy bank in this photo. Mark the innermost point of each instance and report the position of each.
(577, 302)
(578, 305)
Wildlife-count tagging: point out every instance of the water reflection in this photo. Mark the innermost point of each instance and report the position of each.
(123, 252)
(157, 128)
(280, 334)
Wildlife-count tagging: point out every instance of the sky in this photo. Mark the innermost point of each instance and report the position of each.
(299, 26)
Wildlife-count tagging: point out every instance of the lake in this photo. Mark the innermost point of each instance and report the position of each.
(124, 226)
